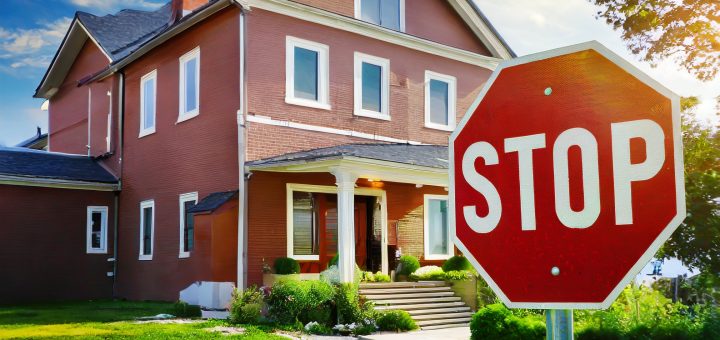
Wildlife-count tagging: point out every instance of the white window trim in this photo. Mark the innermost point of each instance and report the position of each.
(452, 100)
(358, 13)
(152, 75)
(143, 205)
(426, 227)
(384, 64)
(103, 230)
(323, 52)
(183, 114)
(191, 196)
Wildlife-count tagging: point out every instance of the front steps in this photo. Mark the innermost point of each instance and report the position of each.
(432, 304)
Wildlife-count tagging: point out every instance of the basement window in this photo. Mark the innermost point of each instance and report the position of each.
(306, 73)
(386, 13)
(147, 229)
(148, 101)
(97, 230)
(187, 223)
(189, 85)
(438, 245)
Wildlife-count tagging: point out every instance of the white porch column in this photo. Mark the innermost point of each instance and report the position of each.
(345, 181)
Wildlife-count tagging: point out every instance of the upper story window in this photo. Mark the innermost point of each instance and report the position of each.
(187, 223)
(372, 86)
(147, 229)
(148, 103)
(386, 13)
(440, 98)
(438, 245)
(306, 73)
(97, 218)
(189, 85)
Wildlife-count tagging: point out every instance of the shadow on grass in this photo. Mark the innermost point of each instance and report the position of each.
(80, 312)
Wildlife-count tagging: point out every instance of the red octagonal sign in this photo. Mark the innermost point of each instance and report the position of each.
(566, 177)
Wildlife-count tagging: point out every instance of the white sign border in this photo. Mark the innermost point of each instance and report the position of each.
(679, 174)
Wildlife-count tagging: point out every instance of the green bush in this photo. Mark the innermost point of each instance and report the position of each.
(497, 322)
(407, 264)
(286, 265)
(291, 301)
(428, 273)
(183, 309)
(317, 328)
(347, 300)
(334, 260)
(377, 277)
(459, 275)
(457, 262)
(246, 306)
(395, 321)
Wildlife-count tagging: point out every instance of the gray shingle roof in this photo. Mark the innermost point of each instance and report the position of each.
(30, 164)
(432, 156)
(213, 201)
(121, 33)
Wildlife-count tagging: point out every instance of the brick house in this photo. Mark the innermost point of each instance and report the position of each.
(236, 132)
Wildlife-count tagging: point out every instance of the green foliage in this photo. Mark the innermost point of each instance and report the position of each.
(347, 300)
(407, 264)
(459, 275)
(395, 321)
(291, 301)
(377, 277)
(428, 273)
(334, 260)
(317, 328)
(246, 306)
(485, 294)
(183, 309)
(286, 265)
(457, 262)
(659, 29)
(495, 321)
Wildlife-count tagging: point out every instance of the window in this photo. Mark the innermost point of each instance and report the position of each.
(303, 245)
(187, 223)
(189, 85)
(97, 230)
(386, 13)
(148, 101)
(440, 97)
(306, 73)
(147, 229)
(372, 86)
(437, 234)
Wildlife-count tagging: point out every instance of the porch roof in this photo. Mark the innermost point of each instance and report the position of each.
(405, 163)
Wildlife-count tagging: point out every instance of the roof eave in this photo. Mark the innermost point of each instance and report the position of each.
(483, 29)
(57, 183)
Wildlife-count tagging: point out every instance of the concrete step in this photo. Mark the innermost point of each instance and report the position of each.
(416, 301)
(421, 284)
(442, 316)
(409, 308)
(379, 290)
(382, 297)
(424, 323)
(415, 312)
(450, 325)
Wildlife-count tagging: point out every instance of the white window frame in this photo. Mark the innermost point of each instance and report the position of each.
(452, 100)
(103, 210)
(143, 131)
(384, 64)
(143, 205)
(426, 228)
(183, 113)
(323, 52)
(358, 14)
(187, 197)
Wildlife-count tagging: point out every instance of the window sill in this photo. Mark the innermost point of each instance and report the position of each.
(372, 114)
(145, 257)
(307, 103)
(305, 257)
(447, 128)
(437, 257)
(183, 255)
(96, 251)
(148, 132)
(187, 116)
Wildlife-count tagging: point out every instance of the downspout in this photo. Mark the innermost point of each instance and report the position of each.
(115, 243)
(242, 143)
(89, 123)
(119, 151)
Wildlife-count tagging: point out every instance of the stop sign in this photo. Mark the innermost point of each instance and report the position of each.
(566, 177)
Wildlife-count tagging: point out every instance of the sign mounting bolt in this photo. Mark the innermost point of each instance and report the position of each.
(555, 271)
(548, 91)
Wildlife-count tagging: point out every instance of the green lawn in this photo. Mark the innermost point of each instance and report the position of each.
(108, 320)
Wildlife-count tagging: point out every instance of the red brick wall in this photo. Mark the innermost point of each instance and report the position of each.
(434, 20)
(266, 76)
(199, 154)
(43, 245)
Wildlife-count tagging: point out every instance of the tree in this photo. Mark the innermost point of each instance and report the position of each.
(686, 30)
(697, 241)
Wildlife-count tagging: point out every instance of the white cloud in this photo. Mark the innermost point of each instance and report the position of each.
(110, 6)
(32, 48)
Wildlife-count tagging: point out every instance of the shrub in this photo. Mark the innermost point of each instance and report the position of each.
(428, 273)
(377, 277)
(347, 300)
(497, 322)
(183, 309)
(292, 300)
(332, 275)
(334, 260)
(458, 275)
(286, 265)
(396, 321)
(407, 264)
(317, 328)
(457, 262)
(246, 306)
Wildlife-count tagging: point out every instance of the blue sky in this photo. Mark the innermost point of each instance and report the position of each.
(31, 30)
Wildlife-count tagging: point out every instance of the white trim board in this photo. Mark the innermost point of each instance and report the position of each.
(679, 174)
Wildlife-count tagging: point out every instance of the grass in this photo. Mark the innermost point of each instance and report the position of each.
(108, 320)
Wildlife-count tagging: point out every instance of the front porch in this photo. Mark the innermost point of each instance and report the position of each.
(360, 202)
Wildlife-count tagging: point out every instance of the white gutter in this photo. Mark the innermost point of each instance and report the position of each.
(56, 183)
(241, 146)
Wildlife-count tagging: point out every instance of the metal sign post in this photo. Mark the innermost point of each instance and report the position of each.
(559, 324)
